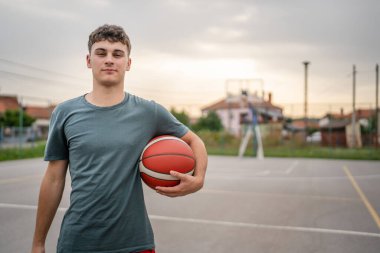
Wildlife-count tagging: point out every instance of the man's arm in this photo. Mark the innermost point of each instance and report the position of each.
(51, 191)
(189, 184)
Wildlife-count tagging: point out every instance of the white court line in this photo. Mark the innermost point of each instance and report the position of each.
(227, 223)
(26, 207)
(263, 226)
(287, 171)
(286, 195)
(291, 167)
(263, 173)
(230, 177)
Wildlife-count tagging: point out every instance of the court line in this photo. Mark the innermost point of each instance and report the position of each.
(256, 176)
(319, 197)
(365, 200)
(292, 167)
(286, 172)
(263, 226)
(18, 179)
(26, 207)
(227, 223)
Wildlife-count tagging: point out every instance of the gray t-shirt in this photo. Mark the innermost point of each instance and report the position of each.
(107, 211)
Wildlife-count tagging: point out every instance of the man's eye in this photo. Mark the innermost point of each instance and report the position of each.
(118, 55)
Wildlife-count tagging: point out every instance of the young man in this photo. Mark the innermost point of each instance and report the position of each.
(101, 135)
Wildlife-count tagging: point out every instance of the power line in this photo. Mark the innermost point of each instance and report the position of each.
(52, 82)
(57, 82)
(40, 69)
(82, 79)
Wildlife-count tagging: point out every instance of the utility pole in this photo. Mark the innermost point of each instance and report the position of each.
(21, 123)
(306, 63)
(377, 107)
(228, 100)
(353, 118)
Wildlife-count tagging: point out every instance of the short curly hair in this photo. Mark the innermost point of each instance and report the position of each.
(112, 33)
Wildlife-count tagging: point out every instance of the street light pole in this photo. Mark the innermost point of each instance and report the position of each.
(377, 107)
(353, 118)
(306, 63)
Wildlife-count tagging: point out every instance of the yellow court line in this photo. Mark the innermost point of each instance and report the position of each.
(366, 202)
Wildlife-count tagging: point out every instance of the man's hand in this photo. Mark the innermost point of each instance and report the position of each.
(51, 191)
(188, 184)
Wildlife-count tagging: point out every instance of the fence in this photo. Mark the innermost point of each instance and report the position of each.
(16, 137)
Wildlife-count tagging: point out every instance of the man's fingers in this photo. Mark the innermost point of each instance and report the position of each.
(185, 186)
(168, 189)
(172, 195)
(178, 175)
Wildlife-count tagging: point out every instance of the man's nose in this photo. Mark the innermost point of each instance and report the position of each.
(109, 59)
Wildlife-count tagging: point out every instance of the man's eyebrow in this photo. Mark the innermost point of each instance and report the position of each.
(116, 50)
(119, 51)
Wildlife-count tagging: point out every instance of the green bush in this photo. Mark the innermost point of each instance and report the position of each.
(209, 122)
(11, 118)
(16, 153)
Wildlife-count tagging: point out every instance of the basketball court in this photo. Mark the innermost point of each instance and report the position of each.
(247, 205)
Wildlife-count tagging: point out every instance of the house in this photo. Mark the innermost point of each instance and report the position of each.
(234, 111)
(8, 103)
(336, 129)
(333, 133)
(298, 125)
(42, 116)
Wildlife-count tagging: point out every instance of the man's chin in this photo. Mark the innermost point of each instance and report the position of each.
(109, 83)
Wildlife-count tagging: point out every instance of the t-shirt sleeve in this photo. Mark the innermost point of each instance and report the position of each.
(56, 145)
(166, 123)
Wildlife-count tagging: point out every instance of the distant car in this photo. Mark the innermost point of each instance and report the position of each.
(314, 137)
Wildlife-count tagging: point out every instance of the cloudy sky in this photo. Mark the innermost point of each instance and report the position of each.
(184, 51)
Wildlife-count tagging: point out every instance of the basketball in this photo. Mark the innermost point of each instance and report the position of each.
(163, 154)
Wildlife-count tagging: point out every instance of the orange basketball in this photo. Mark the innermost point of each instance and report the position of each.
(163, 154)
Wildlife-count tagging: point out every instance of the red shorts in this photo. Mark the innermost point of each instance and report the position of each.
(147, 251)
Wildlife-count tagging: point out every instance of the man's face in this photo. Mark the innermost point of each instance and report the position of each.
(108, 62)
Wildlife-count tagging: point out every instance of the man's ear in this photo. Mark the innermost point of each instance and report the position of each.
(88, 60)
(128, 64)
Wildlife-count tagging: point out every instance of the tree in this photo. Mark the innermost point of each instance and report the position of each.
(181, 116)
(11, 118)
(210, 122)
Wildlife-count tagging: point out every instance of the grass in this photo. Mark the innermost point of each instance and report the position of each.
(221, 143)
(306, 152)
(24, 153)
(227, 149)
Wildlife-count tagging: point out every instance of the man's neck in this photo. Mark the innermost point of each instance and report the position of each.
(106, 96)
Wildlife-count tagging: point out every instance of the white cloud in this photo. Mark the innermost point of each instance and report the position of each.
(40, 9)
(197, 43)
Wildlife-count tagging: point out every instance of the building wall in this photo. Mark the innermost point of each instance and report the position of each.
(235, 127)
(335, 138)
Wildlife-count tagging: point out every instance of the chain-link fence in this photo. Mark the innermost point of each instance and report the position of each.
(16, 137)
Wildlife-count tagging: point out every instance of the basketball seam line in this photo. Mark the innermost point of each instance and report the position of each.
(160, 178)
(161, 139)
(192, 169)
(149, 172)
(192, 158)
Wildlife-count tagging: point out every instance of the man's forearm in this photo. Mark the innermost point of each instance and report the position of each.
(200, 154)
(49, 198)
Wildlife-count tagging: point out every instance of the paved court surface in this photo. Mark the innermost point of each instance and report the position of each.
(273, 205)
